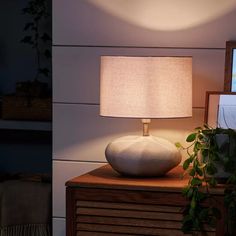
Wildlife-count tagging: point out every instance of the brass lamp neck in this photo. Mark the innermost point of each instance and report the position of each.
(146, 123)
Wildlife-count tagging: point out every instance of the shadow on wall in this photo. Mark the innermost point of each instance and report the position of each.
(96, 132)
(161, 15)
(205, 29)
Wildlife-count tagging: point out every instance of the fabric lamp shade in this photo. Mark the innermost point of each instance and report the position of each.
(146, 87)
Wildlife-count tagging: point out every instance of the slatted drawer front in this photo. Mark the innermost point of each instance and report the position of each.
(108, 218)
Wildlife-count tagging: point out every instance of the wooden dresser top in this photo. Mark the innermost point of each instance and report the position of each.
(106, 177)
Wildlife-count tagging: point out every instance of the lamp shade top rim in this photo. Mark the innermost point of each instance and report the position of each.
(153, 117)
(137, 56)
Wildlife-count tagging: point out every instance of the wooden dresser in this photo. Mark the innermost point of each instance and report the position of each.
(102, 202)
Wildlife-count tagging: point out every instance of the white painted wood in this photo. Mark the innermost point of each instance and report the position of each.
(81, 22)
(79, 133)
(59, 227)
(63, 171)
(76, 71)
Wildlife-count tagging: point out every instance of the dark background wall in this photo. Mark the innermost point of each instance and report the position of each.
(18, 63)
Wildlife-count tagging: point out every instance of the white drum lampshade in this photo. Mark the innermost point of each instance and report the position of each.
(146, 88)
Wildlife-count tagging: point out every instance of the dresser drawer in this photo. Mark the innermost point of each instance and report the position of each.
(126, 209)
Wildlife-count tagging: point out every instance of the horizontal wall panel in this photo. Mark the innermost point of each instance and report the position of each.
(59, 227)
(186, 24)
(76, 71)
(79, 133)
(62, 172)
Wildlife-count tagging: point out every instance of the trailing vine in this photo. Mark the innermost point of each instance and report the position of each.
(211, 152)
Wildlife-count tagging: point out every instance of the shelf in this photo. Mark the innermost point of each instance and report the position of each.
(20, 136)
(25, 125)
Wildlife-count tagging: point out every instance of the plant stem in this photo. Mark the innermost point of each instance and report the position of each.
(37, 49)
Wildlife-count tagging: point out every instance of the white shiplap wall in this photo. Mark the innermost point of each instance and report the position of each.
(81, 34)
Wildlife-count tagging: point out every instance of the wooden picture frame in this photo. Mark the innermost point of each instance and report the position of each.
(230, 67)
(216, 102)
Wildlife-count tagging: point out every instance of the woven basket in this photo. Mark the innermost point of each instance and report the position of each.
(21, 108)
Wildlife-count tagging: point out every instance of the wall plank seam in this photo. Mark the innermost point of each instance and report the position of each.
(136, 47)
(78, 161)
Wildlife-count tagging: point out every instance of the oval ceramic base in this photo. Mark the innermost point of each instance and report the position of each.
(142, 155)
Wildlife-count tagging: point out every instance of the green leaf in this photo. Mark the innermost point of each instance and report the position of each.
(28, 26)
(197, 146)
(216, 212)
(197, 224)
(232, 179)
(195, 163)
(205, 152)
(211, 169)
(203, 165)
(45, 37)
(185, 190)
(212, 181)
(47, 53)
(192, 172)
(192, 212)
(209, 150)
(44, 71)
(190, 193)
(201, 196)
(37, 18)
(178, 145)
(187, 223)
(206, 126)
(204, 214)
(186, 163)
(192, 157)
(199, 171)
(187, 218)
(191, 137)
(196, 181)
(25, 10)
(198, 128)
(27, 39)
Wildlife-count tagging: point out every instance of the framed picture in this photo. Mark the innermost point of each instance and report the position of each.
(230, 67)
(221, 110)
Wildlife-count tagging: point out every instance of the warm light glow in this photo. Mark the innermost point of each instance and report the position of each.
(166, 14)
(146, 87)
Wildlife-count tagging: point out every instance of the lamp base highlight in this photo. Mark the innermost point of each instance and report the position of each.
(142, 155)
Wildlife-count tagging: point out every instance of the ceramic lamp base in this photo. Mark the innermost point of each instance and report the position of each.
(142, 155)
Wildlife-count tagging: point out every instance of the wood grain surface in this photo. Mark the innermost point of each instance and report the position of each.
(102, 202)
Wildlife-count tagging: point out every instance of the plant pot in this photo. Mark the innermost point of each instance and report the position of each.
(31, 89)
(226, 148)
(20, 108)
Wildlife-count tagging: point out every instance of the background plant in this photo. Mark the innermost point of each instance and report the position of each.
(209, 150)
(37, 38)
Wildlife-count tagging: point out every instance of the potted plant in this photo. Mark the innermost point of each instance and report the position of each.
(39, 40)
(32, 100)
(211, 161)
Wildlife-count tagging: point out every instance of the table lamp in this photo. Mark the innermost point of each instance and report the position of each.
(145, 88)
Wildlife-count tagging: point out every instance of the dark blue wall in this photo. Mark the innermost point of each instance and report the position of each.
(17, 63)
(17, 60)
(33, 158)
